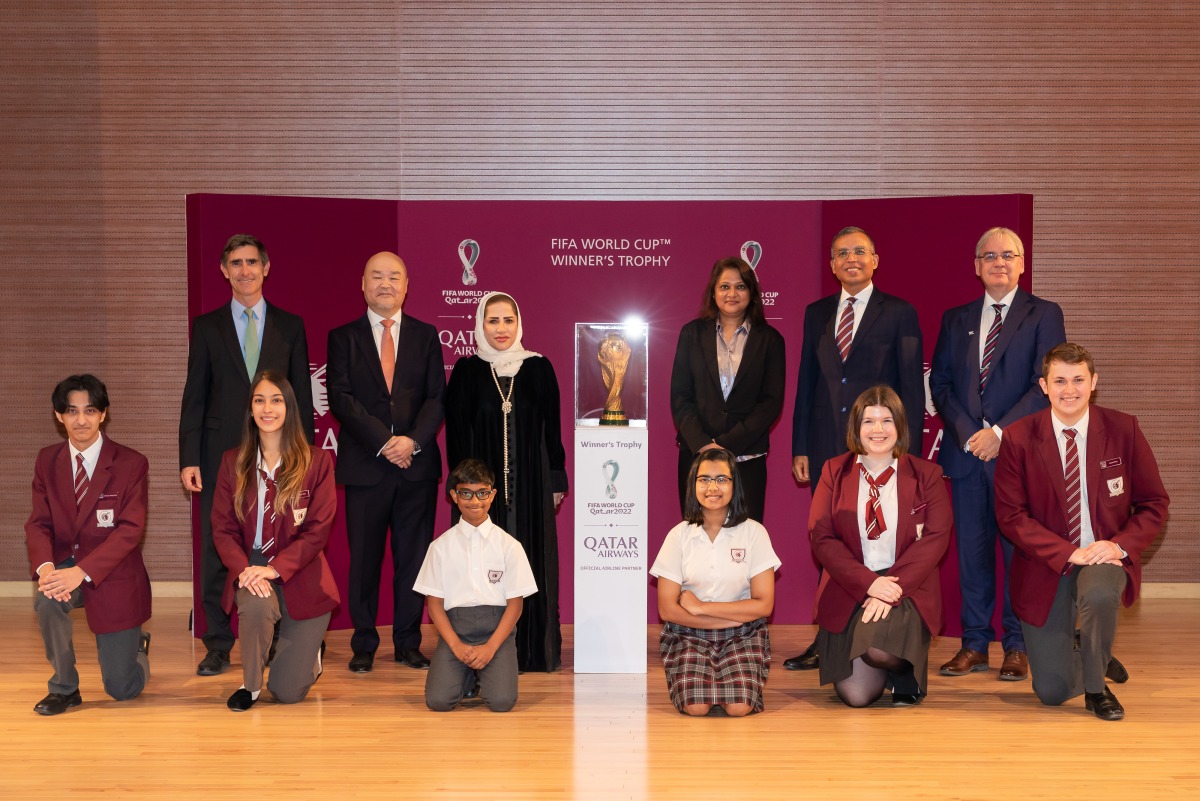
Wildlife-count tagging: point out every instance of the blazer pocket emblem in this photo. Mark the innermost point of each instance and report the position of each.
(104, 518)
(1107, 463)
(298, 515)
(1116, 486)
(920, 530)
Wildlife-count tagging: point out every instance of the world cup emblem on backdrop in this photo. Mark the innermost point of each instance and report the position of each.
(468, 254)
(610, 477)
(751, 253)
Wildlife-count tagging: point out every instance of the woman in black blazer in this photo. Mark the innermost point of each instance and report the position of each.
(727, 382)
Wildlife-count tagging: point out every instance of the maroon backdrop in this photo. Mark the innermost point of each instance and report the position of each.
(568, 262)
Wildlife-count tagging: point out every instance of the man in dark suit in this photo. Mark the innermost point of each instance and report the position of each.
(84, 539)
(853, 340)
(1078, 492)
(228, 345)
(386, 381)
(986, 367)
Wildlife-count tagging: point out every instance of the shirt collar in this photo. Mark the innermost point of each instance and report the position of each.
(259, 308)
(1081, 425)
(483, 530)
(91, 453)
(376, 318)
(893, 463)
(270, 471)
(743, 327)
(1006, 300)
(862, 297)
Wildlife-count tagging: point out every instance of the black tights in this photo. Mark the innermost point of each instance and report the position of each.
(869, 677)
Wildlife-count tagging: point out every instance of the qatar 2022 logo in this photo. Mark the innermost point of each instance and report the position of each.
(468, 254)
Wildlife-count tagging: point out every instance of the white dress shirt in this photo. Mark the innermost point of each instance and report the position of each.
(878, 554)
(469, 566)
(1086, 535)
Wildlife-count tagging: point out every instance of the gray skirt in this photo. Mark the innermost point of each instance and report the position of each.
(902, 633)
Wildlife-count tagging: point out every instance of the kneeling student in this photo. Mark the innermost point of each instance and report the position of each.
(84, 538)
(475, 577)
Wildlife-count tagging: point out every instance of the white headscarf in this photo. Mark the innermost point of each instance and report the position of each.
(504, 362)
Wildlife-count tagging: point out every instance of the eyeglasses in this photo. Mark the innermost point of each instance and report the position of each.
(482, 495)
(844, 253)
(992, 258)
(720, 481)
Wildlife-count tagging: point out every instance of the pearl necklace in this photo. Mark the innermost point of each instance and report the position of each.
(506, 407)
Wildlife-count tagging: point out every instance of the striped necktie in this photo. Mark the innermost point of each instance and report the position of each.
(874, 511)
(1071, 474)
(989, 345)
(845, 330)
(81, 480)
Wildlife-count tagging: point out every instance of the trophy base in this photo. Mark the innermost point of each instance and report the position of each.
(617, 418)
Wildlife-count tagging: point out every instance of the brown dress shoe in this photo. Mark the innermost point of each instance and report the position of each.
(964, 662)
(1015, 667)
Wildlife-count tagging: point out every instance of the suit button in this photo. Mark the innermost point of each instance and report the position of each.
(843, 410)
(843, 380)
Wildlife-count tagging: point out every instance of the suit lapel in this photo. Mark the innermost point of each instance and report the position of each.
(870, 315)
(970, 326)
(708, 347)
(1012, 321)
(365, 340)
(272, 342)
(906, 501)
(228, 334)
(1096, 440)
(847, 501)
(1047, 446)
(752, 353)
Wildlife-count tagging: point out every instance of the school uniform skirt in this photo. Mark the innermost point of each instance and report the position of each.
(902, 633)
(716, 666)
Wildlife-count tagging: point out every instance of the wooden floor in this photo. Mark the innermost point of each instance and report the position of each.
(595, 736)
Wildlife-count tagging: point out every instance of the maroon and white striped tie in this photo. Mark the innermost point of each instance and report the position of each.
(989, 345)
(81, 480)
(874, 511)
(1071, 474)
(845, 330)
(268, 543)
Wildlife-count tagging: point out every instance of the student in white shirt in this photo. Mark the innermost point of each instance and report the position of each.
(716, 587)
(475, 578)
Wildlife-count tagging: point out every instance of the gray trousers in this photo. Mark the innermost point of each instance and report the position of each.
(123, 668)
(448, 678)
(1060, 672)
(297, 661)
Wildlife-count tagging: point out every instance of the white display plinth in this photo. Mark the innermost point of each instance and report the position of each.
(611, 523)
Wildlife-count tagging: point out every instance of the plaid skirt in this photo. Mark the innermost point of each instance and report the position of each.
(716, 666)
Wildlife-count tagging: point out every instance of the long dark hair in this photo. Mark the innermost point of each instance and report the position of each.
(754, 312)
(737, 512)
(294, 449)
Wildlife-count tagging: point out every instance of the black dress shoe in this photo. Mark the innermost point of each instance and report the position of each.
(412, 657)
(241, 700)
(905, 699)
(1116, 672)
(1105, 705)
(57, 703)
(362, 663)
(809, 660)
(144, 645)
(471, 688)
(213, 663)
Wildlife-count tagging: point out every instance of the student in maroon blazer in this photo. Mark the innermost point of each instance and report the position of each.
(882, 599)
(1081, 569)
(84, 537)
(272, 513)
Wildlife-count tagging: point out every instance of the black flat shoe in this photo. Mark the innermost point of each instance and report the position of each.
(905, 699)
(241, 700)
(144, 645)
(57, 703)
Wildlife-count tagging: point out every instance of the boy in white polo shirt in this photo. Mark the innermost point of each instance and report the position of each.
(475, 577)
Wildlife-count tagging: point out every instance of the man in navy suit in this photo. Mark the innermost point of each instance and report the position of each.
(228, 345)
(853, 340)
(386, 382)
(986, 367)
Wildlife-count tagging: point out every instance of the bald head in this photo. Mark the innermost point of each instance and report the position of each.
(385, 283)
